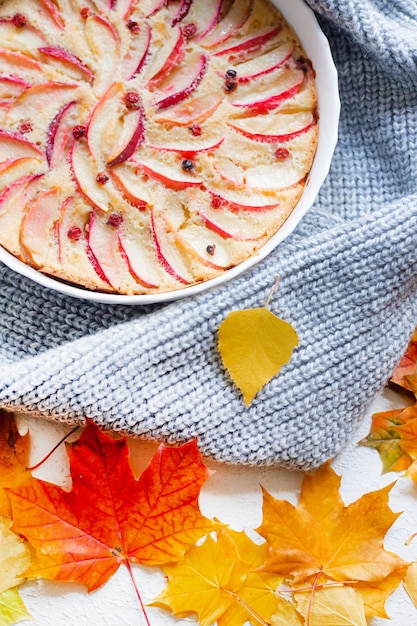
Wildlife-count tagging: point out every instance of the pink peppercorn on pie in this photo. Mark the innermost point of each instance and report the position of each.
(149, 145)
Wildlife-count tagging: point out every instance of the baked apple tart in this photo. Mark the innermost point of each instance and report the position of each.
(149, 145)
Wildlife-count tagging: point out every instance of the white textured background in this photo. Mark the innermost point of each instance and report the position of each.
(233, 495)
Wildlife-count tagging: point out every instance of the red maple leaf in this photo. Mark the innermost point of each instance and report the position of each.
(109, 517)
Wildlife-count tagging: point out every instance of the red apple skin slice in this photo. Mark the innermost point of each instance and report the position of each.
(14, 145)
(37, 233)
(130, 186)
(13, 202)
(67, 58)
(19, 39)
(309, 120)
(100, 271)
(196, 241)
(12, 87)
(45, 99)
(142, 261)
(262, 103)
(75, 264)
(132, 136)
(238, 225)
(85, 171)
(12, 169)
(182, 12)
(234, 19)
(264, 64)
(205, 16)
(138, 52)
(249, 45)
(52, 11)
(259, 180)
(191, 148)
(170, 177)
(176, 53)
(169, 257)
(102, 117)
(105, 256)
(152, 6)
(220, 199)
(59, 135)
(122, 7)
(11, 62)
(104, 44)
(183, 93)
(195, 111)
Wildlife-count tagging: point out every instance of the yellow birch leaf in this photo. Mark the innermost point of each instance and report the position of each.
(375, 594)
(410, 582)
(14, 556)
(254, 345)
(218, 582)
(338, 606)
(286, 615)
(12, 609)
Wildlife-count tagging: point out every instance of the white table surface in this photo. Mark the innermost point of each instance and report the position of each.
(233, 495)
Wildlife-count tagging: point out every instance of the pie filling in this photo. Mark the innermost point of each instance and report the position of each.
(149, 145)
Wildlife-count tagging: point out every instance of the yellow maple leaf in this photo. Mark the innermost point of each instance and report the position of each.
(12, 609)
(13, 459)
(254, 345)
(286, 615)
(218, 581)
(410, 583)
(338, 606)
(14, 556)
(375, 594)
(322, 536)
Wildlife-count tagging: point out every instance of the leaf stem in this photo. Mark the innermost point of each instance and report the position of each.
(321, 586)
(142, 606)
(254, 614)
(271, 293)
(61, 441)
(410, 539)
(310, 602)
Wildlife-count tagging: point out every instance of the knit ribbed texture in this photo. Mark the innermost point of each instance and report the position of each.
(348, 284)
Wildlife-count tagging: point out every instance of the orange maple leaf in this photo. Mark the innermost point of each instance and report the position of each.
(392, 436)
(109, 517)
(14, 453)
(407, 365)
(321, 540)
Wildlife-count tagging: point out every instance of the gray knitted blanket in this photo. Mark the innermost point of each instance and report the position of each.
(348, 285)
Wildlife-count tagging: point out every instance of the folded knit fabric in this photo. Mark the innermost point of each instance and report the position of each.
(348, 284)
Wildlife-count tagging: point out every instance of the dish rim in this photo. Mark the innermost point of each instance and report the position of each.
(304, 22)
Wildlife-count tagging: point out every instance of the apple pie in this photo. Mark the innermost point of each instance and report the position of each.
(149, 145)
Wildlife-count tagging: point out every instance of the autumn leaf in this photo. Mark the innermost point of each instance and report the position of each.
(385, 437)
(14, 560)
(14, 556)
(287, 615)
(323, 537)
(218, 581)
(12, 608)
(394, 435)
(375, 594)
(14, 452)
(254, 345)
(338, 606)
(410, 583)
(407, 365)
(109, 517)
